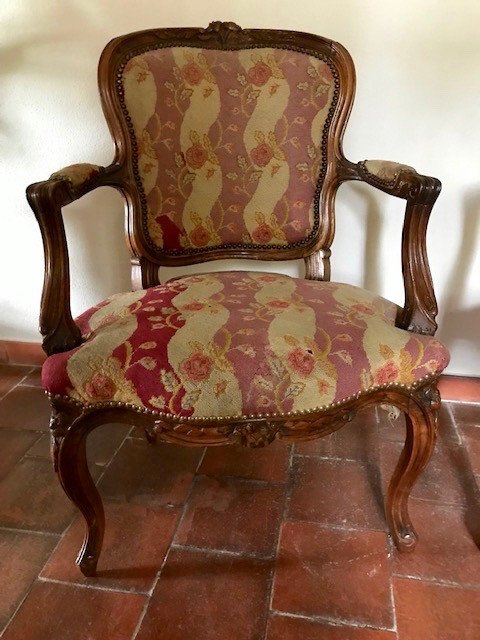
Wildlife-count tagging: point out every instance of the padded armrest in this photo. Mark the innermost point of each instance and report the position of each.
(385, 171)
(78, 176)
(395, 178)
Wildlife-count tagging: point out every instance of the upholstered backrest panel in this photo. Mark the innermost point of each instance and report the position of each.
(229, 147)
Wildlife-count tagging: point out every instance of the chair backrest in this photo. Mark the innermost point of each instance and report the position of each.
(228, 139)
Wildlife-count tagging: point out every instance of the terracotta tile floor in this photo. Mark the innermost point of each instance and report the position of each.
(233, 544)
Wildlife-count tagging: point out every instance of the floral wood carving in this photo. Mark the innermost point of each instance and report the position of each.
(255, 436)
(63, 414)
(430, 396)
(224, 32)
(251, 433)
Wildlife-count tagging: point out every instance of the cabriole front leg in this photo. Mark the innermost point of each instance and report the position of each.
(421, 423)
(77, 483)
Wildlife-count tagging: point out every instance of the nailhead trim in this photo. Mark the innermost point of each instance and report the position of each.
(134, 145)
(383, 182)
(289, 414)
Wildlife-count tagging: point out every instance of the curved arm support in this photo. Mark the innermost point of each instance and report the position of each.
(59, 331)
(420, 192)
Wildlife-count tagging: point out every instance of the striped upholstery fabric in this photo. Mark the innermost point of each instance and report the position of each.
(240, 343)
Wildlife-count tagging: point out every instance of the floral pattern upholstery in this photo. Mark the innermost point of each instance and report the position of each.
(240, 343)
(227, 144)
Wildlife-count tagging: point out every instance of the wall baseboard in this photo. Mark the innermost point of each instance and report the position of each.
(452, 388)
(460, 388)
(16, 352)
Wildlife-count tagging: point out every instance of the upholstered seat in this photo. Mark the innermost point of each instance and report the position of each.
(240, 343)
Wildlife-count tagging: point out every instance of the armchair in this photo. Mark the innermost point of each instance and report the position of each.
(228, 144)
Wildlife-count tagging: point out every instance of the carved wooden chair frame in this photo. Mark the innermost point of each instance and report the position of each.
(72, 422)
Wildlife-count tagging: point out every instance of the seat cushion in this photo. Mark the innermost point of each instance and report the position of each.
(240, 343)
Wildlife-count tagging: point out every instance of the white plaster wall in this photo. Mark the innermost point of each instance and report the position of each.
(418, 102)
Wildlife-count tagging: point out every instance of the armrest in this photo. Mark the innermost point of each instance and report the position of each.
(79, 177)
(420, 192)
(60, 333)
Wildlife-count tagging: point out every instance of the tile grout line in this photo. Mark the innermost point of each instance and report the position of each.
(19, 383)
(453, 421)
(40, 436)
(336, 527)
(391, 549)
(167, 554)
(439, 582)
(222, 552)
(337, 622)
(91, 587)
(318, 456)
(286, 504)
(201, 460)
(36, 532)
(107, 466)
(476, 403)
(252, 481)
(187, 499)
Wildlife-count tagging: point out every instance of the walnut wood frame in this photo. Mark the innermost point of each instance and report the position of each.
(71, 422)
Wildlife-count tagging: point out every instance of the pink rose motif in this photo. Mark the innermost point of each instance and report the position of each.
(192, 73)
(194, 306)
(261, 154)
(198, 367)
(322, 386)
(362, 308)
(268, 278)
(100, 387)
(259, 74)
(262, 234)
(196, 156)
(301, 361)
(279, 304)
(388, 373)
(200, 236)
(296, 224)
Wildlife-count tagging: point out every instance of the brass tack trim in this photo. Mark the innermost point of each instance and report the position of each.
(289, 414)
